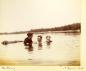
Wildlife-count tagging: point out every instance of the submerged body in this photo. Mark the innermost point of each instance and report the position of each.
(48, 41)
(39, 39)
(28, 42)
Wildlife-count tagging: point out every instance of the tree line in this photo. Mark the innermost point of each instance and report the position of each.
(74, 26)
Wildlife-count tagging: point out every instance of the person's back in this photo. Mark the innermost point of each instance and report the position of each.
(28, 42)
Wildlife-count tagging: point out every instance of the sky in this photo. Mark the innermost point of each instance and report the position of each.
(22, 15)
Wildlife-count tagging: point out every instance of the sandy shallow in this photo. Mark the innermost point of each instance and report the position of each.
(31, 62)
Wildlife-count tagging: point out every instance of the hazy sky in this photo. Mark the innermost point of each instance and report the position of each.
(20, 15)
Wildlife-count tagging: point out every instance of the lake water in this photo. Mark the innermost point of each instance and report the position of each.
(64, 50)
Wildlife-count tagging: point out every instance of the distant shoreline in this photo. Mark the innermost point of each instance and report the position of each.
(68, 31)
(73, 28)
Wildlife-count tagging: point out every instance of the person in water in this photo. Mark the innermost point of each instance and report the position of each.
(28, 42)
(48, 40)
(39, 39)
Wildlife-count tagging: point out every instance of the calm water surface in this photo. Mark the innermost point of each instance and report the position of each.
(64, 48)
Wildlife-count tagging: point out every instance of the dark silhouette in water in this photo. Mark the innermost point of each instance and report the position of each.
(10, 42)
(28, 42)
(39, 39)
(48, 41)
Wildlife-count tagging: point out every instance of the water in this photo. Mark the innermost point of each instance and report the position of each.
(64, 50)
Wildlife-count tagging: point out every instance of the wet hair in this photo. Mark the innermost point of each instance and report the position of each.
(40, 36)
(29, 34)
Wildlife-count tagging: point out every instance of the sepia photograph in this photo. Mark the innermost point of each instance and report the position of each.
(40, 32)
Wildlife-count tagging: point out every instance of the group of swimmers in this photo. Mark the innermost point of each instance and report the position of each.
(28, 41)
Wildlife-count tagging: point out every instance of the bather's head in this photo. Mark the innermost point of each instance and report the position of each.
(39, 38)
(30, 35)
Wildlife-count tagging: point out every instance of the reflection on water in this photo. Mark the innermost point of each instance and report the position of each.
(29, 49)
(63, 50)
